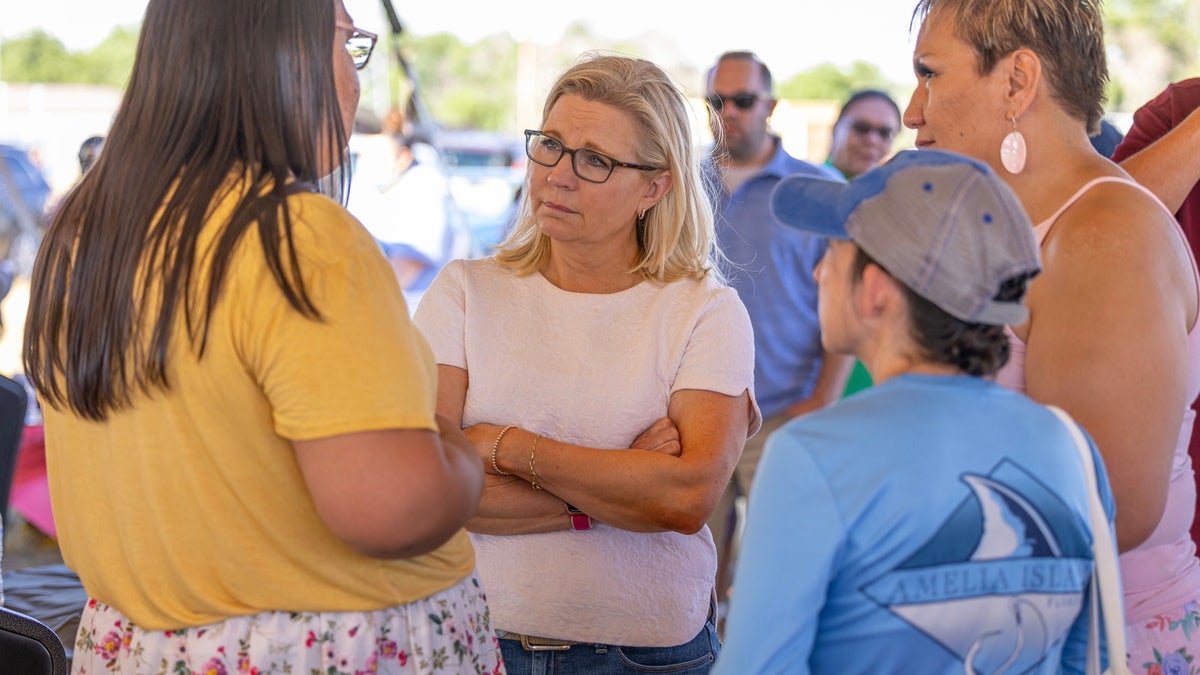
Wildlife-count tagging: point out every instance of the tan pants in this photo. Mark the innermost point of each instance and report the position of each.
(728, 518)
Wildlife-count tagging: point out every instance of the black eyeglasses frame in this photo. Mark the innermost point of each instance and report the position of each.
(358, 35)
(534, 134)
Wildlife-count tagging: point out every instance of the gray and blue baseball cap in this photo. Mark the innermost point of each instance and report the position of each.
(943, 224)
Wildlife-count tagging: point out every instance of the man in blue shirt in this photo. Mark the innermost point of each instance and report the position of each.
(771, 266)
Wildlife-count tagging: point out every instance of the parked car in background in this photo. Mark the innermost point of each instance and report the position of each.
(486, 171)
(24, 192)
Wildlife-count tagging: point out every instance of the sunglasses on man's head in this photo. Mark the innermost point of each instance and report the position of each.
(744, 100)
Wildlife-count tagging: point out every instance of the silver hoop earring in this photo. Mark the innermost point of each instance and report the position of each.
(1013, 150)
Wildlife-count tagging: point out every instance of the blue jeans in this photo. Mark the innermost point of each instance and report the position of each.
(690, 658)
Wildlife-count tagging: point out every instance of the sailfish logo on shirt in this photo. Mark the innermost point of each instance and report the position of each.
(1001, 582)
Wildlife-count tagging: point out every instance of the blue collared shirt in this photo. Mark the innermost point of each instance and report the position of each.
(771, 266)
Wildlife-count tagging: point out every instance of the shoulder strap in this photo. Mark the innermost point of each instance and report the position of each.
(1106, 583)
(1049, 222)
(1042, 229)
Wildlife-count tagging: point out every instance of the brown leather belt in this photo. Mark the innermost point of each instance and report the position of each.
(533, 643)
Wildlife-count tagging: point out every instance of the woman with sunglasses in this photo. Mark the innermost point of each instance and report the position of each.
(246, 467)
(603, 371)
(863, 133)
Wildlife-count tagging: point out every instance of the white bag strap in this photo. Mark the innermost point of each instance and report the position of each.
(1106, 583)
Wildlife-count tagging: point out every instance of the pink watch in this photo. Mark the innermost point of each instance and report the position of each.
(579, 519)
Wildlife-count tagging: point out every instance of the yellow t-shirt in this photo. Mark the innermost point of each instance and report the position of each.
(189, 507)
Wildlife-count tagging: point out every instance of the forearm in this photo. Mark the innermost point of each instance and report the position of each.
(510, 505)
(669, 480)
(1170, 166)
(636, 490)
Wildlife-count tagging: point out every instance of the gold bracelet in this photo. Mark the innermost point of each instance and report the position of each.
(496, 447)
(533, 467)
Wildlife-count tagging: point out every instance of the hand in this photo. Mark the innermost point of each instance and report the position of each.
(483, 437)
(662, 436)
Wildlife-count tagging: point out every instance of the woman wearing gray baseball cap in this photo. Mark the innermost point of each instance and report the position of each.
(936, 522)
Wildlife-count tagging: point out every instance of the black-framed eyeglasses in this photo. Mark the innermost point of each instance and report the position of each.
(589, 165)
(744, 100)
(360, 44)
(885, 133)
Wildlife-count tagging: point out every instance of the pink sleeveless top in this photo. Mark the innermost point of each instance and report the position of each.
(1162, 573)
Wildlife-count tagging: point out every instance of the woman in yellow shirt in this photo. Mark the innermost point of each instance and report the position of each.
(246, 468)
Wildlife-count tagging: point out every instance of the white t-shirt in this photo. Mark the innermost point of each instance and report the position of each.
(593, 370)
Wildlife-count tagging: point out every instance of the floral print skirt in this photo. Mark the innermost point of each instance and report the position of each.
(449, 632)
(1166, 644)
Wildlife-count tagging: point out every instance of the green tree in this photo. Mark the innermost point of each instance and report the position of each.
(465, 85)
(36, 57)
(111, 62)
(40, 57)
(475, 85)
(827, 82)
(1151, 43)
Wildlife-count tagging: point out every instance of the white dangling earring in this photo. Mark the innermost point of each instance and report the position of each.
(642, 215)
(1013, 150)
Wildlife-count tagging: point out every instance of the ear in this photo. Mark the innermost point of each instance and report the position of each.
(1024, 77)
(656, 190)
(879, 294)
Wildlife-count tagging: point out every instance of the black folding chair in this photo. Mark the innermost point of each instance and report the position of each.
(28, 647)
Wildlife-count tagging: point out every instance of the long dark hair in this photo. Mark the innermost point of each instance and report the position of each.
(221, 89)
(974, 348)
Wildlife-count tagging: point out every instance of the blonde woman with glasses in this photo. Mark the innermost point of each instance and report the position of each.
(604, 372)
